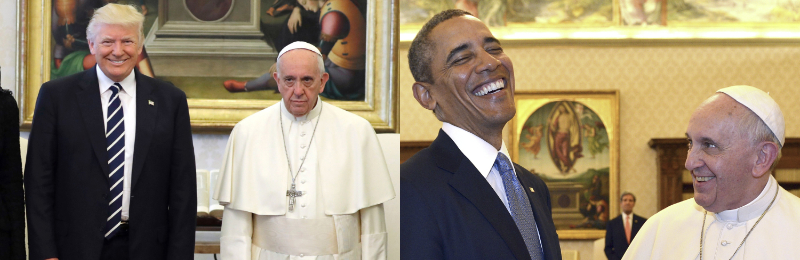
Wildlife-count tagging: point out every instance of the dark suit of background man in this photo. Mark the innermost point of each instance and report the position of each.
(618, 237)
(72, 182)
(461, 198)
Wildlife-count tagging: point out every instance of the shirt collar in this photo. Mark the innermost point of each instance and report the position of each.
(753, 209)
(478, 151)
(626, 215)
(310, 115)
(128, 84)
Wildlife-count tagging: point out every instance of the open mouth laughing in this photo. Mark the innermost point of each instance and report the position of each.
(490, 88)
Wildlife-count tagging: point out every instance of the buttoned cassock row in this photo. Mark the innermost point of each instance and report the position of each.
(344, 179)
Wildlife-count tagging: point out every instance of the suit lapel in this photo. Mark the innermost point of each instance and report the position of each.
(146, 118)
(90, 107)
(636, 225)
(470, 183)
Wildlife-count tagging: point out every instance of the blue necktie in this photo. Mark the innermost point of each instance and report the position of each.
(115, 145)
(520, 207)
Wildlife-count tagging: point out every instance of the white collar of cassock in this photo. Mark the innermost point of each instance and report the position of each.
(311, 114)
(753, 209)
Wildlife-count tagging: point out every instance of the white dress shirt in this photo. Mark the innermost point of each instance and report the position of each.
(127, 97)
(482, 155)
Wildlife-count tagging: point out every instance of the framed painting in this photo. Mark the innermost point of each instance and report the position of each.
(221, 54)
(619, 21)
(570, 139)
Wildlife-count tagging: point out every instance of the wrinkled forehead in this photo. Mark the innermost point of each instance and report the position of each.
(721, 105)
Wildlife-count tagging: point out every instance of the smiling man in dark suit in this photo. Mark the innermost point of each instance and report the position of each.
(110, 172)
(462, 198)
(621, 230)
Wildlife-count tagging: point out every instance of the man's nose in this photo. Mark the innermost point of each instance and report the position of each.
(117, 49)
(693, 160)
(488, 62)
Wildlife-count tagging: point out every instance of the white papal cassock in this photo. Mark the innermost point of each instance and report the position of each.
(343, 176)
(674, 233)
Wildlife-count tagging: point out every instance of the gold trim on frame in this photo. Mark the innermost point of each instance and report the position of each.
(605, 103)
(215, 115)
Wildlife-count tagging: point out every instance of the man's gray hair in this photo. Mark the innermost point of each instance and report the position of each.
(626, 193)
(751, 126)
(320, 63)
(116, 14)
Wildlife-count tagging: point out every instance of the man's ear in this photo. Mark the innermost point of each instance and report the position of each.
(767, 154)
(423, 95)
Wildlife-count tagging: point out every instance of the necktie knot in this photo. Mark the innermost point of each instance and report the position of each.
(116, 88)
(503, 165)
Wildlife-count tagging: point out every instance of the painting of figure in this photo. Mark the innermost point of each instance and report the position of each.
(733, 11)
(564, 138)
(567, 144)
(513, 13)
(336, 27)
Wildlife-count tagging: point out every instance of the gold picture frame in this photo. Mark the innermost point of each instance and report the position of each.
(217, 115)
(570, 139)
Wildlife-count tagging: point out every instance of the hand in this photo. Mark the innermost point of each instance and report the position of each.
(51, 259)
(295, 20)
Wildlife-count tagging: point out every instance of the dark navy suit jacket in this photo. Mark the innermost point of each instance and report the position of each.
(66, 173)
(449, 211)
(616, 242)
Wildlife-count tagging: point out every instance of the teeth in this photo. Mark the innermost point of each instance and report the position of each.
(703, 179)
(491, 87)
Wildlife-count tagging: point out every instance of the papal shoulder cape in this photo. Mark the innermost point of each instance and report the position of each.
(352, 169)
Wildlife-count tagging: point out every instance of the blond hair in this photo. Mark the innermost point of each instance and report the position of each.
(116, 14)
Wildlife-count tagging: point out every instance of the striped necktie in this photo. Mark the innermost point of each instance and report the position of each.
(115, 145)
(520, 207)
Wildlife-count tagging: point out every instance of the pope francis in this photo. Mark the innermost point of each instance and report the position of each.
(738, 210)
(303, 179)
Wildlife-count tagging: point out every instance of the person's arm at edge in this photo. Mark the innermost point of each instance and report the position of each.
(183, 186)
(40, 179)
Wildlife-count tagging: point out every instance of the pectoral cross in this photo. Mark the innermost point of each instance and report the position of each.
(292, 194)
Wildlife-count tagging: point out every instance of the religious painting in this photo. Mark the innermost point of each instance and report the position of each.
(618, 21)
(571, 141)
(514, 13)
(734, 11)
(221, 53)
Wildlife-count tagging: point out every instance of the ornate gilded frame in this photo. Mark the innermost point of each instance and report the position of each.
(216, 115)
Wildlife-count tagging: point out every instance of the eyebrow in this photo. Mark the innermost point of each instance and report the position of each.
(466, 45)
(703, 139)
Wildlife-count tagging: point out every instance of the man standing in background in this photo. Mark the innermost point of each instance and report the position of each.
(621, 230)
